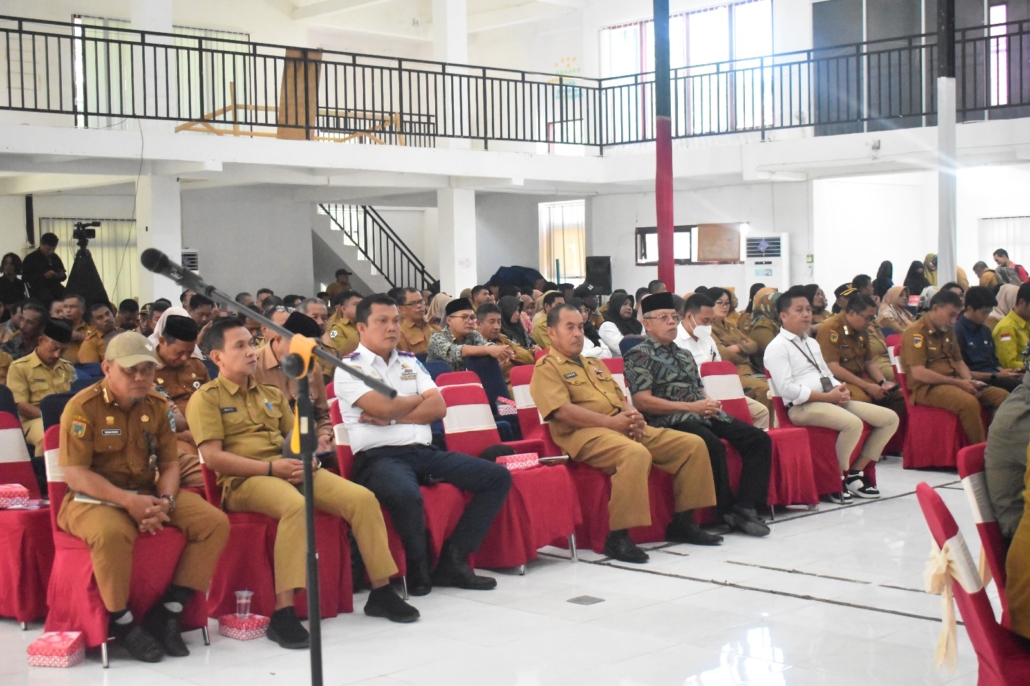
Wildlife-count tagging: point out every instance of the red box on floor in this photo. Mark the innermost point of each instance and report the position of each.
(57, 649)
(245, 629)
(520, 461)
(13, 495)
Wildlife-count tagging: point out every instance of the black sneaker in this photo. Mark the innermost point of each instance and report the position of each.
(138, 642)
(384, 602)
(690, 532)
(747, 521)
(166, 627)
(619, 546)
(419, 580)
(453, 569)
(860, 486)
(286, 630)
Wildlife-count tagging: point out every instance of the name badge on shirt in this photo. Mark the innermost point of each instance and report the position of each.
(111, 432)
(227, 410)
(408, 374)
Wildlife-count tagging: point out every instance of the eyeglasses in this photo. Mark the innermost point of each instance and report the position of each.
(465, 317)
(417, 303)
(666, 318)
(722, 303)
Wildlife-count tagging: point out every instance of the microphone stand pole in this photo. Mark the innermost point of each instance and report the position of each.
(297, 365)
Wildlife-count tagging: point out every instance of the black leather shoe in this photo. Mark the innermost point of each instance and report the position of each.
(453, 570)
(286, 630)
(747, 521)
(690, 532)
(139, 643)
(384, 602)
(166, 627)
(618, 546)
(419, 581)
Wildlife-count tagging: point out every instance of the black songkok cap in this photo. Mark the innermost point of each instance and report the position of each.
(300, 323)
(58, 330)
(458, 305)
(657, 301)
(181, 328)
(845, 290)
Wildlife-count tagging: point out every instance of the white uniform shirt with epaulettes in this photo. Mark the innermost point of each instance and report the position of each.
(405, 374)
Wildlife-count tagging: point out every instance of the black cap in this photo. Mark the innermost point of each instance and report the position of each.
(300, 323)
(657, 301)
(181, 328)
(844, 290)
(458, 305)
(58, 330)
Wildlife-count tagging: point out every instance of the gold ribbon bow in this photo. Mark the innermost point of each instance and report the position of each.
(942, 570)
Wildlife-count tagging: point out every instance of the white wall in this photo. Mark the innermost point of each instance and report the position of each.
(770, 209)
(409, 223)
(250, 238)
(990, 192)
(508, 231)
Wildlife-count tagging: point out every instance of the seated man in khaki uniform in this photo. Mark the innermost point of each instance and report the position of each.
(343, 334)
(415, 330)
(105, 327)
(240, 426)
(122, 469)
(179, 375)
(73, 309)
(39, 374)
(935, 372)
(592, 421)
(319, 313)
(540, 333)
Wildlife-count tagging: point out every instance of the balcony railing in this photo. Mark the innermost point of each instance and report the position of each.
(102, 76)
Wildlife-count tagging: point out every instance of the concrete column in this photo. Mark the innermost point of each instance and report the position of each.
(158, 225)
(450, 31)
(456, 227)
(947, 182)
(159, 96)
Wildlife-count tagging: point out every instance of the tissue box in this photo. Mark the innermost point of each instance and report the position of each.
(520, 461)
(506, 407)
(13, 495)
(57, 649)
(250, 627)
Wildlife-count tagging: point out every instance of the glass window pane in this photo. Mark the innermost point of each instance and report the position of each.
(752, 29)
(709, 35)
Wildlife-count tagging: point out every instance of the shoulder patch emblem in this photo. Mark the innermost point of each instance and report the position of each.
(917, 341)
(334, 333)
(834, 337)
(1005, 337)
(78, 429)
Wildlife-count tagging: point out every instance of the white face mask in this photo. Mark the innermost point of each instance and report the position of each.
(701, 331)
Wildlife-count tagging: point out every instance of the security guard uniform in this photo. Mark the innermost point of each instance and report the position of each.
(559, 380)
(343, 336)
(128, 446)
(71, 353)
(415, 337)
(30, 381)
(852, 350)
(924, 345)
(252, 421)
(92, 349)
(179, 384)
(1011, 336)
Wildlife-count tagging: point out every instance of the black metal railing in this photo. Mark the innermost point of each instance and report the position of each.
(390, 256)
(101, 75)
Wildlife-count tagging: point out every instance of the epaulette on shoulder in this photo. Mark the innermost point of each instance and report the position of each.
(352, 356)
(403, 353)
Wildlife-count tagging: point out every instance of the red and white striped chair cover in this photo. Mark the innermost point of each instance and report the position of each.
(974, 483)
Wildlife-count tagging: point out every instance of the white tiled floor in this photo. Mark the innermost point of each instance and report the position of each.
(831, 597)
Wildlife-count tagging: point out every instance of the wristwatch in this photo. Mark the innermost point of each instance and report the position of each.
(171, 502)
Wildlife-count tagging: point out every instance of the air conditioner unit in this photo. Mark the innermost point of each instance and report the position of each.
(768, 261)
(191, 260)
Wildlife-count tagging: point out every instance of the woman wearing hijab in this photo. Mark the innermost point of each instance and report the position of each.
(619, 321)
(511, 322)
(884, 280)
(915, 280)
(893, 316)
(744, 318)
(436, 313)
(1006, 301)
(930, 268)
(765, 323)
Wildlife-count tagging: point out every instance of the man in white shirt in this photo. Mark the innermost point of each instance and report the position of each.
(813, 397)
(695, 336)
(394, 455)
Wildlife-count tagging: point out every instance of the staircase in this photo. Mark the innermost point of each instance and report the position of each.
(370, 248)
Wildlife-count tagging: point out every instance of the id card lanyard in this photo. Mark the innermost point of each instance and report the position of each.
(825, 381)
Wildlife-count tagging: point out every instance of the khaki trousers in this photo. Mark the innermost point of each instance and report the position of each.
(758, 389)
(33, 429)
(966, 406)
(759, 413)
(848, 421)
(628, 462)
(110, 532)
(283, 501)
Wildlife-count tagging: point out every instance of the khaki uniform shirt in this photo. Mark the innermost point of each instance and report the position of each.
(337, 287)
(539, 334)
(5, 365)
(522, 357)
(93, 348)
(558, 381)
(30, 380)
(180, 383)
(72, 352)
(343, 335)
(270, 373)
(843, 345)
(125, 445)
(923, 345)
(250, 421)
(414, 338)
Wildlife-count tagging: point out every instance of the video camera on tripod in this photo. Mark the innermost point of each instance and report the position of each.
(83, 233)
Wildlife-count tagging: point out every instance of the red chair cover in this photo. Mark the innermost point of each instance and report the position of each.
(26, 540)
(974, 482)
(530, 421)
(934, 436)
(455, 378)
(540, 353)
(1004, 657)
(73, 596)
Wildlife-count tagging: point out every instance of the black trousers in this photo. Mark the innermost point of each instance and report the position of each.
(755, 448)
(395, 473)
